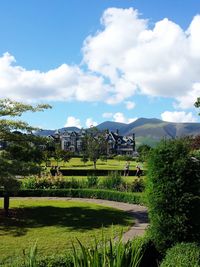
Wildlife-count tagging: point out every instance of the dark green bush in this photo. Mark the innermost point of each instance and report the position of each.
(182, 255)
(92, 181)
(52, 183)
(138, 185)
(173, 189)
(112, 181)
(135, 198)
(56, 261)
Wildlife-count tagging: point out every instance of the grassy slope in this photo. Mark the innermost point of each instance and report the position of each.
(55, 224)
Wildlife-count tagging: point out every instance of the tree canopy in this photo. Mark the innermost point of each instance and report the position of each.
(19, 148)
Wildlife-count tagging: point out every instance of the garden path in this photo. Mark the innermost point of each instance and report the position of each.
(137, 212)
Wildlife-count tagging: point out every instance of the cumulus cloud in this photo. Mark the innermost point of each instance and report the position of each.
(61, 84)
(120, 117)
(178, 116)
(72, 122)
(127, 56)
(90, 122)
(163, 60)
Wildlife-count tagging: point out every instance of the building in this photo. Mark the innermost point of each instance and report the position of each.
(120, 145)
(116, 144)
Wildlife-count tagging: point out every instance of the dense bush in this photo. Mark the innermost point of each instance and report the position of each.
(112, 181)
(52, 182)
(182, 255)
(173, 194)
(92, 181)
(135, 198)
(137, 185)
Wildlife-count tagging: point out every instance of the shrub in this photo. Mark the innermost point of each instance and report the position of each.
(112, 181)
(134, 198)
(182, 255)
(137, 185)
(57, 182)
(173, 188)
(92, 181)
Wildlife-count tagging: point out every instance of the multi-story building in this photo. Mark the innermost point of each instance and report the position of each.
(116, 144)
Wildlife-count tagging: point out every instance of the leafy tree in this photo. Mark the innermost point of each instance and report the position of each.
(94, 145)
(173, 189)
(197, 103)
(20, 154)
(143, 151)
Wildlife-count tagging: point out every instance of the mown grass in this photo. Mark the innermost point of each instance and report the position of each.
(110, 164)
(55, 224)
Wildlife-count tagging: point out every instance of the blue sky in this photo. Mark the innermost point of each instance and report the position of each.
(97, 60)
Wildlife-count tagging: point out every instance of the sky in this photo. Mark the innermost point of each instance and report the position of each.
(99, 60)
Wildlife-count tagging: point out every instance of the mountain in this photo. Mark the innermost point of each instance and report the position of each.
(52, 132)
(111, 125)
(147, 131)
(151, 131)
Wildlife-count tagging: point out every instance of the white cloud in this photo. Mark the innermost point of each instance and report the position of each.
(127, 56)
(119, 117)
(178, 116)
(163, 60)
(130, 105)
(90, 122)
(63, 83)
(72, 122)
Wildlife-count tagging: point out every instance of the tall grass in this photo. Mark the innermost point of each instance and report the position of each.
(103, 253)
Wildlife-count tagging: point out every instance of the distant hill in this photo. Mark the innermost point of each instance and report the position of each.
(111, 125)
(147, 131)
(52, 132)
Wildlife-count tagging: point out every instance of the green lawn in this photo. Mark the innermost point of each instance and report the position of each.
(110, 164)
(54, 224)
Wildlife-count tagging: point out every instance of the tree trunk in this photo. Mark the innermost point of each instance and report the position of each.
(6, 204)
(95, 165)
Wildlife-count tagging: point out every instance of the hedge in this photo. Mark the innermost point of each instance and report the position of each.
(182, 255)
(86, 172)
(134, 198)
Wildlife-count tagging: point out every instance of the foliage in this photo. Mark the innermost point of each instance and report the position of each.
(92, 181)
(173, 189)
(143, 151)
(134, 198)
(182, 255)
(94, 145)
(197, 103)
(103, 253)
(109, 253)
(20, 154)
(112, 181)
(51, 182)
(138, 185)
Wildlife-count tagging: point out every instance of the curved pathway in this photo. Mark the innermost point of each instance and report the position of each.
(137, 212)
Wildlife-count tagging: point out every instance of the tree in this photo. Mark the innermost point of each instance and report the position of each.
(173, 189)
(197, 103)
(94, 145)
(143, 151)
(20, 154)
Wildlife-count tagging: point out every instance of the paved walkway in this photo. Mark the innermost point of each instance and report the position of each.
(138, 213)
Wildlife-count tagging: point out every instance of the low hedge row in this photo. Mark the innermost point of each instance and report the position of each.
(182, 255)
(89, 172)
(134, 198)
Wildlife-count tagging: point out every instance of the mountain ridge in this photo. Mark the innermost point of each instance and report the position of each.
(146, 130)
